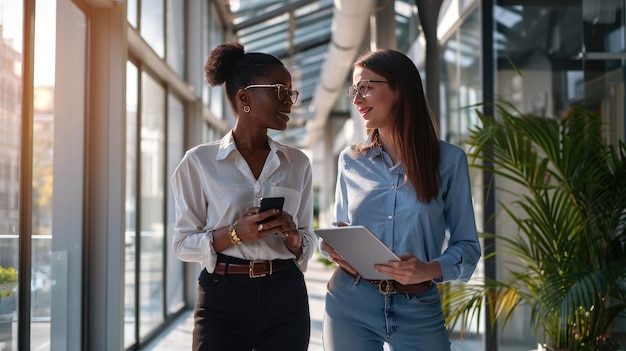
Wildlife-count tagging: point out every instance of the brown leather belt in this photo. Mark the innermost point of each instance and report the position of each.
(254, 269)
(388, 287)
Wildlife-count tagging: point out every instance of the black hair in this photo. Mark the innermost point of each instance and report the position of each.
(228, 63)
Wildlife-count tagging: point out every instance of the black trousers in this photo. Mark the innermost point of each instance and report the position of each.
(237, 313)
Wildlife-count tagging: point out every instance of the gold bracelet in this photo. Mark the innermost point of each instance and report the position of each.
(234, 238)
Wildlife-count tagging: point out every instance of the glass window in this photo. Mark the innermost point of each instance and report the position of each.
(543, 41)
(54, 229)
(603, 25)
(152, 27)
(10, 153)
(461, 80)
(176, 36)
(461, 83)
(207, 46)
(210, 133)
(551, 57)
(175, 151)
(64, 277)
(151, 204)
(131, 12)
(567, 55)
(43, 169)
(130, 242)
(407, 23)
(212, 36)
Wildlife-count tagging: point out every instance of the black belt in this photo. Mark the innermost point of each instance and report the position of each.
(388, 287)
(253, 268)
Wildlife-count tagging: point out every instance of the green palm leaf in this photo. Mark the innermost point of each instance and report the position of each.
(567, 259)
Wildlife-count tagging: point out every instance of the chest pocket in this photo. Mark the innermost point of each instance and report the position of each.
(292, 199)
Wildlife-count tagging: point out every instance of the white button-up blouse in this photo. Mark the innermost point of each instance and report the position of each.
(213, 185)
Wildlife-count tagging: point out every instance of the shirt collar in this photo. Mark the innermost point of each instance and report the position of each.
(372, 151)
(227, 145)
(377, 151)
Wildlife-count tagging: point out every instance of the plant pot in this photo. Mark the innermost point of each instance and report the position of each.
(7, 306)
(7, 289)
(540, 347)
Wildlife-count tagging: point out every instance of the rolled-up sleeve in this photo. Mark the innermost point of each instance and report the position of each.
(463, 251)
(190, 241)
(305, 219)
(372, 194)
(212, 187)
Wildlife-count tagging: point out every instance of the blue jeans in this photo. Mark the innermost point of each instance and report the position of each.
(358, 317)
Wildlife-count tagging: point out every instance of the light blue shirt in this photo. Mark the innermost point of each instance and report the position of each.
(372, 193)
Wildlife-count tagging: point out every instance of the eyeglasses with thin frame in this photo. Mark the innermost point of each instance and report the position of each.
(283, 91)
(362, 88)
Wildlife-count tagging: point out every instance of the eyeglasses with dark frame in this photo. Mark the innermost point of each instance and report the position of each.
(283, 91)
(362, 88)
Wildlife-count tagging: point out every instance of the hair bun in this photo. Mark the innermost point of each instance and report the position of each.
(221, 61)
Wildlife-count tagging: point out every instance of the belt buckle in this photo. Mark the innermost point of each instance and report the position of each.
(251, 271)
(385, 287)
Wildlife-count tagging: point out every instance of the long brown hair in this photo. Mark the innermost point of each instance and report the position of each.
(415, 131)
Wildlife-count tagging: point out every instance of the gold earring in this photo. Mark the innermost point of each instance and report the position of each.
(246, 109)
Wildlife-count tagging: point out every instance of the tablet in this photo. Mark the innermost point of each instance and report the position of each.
(360, 248)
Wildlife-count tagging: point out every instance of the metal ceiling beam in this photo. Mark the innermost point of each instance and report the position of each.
(345, 46)
(428, 14)
(271, 14)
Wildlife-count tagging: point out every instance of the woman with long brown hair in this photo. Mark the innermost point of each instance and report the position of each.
(412, 191)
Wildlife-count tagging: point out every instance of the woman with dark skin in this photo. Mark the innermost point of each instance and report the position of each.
(251, 291)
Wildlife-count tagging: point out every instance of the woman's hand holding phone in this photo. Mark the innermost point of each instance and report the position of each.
(281, 224)
(268, 203)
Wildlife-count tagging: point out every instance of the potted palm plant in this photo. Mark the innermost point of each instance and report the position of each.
(567, 258)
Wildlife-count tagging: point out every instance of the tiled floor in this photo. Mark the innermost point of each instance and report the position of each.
(179, 336)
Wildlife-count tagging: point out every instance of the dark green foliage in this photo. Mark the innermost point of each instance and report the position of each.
(567, 261)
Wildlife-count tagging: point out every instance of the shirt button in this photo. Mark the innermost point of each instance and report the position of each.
(389, 217)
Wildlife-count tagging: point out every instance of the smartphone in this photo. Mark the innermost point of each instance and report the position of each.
(268, 203)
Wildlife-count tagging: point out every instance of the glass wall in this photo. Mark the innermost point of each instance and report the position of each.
(212, 36)
(152, 24)
(151, 204)
(551, 56)
(461, 79)
(461, 87)
(10, 154)
(68, 179)
(131, 193)
(567, 55)
(175, 36)
(407, 24)
(156, 120)
(43, 170)
(175, 283)
(49, 209)
(37, 239)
